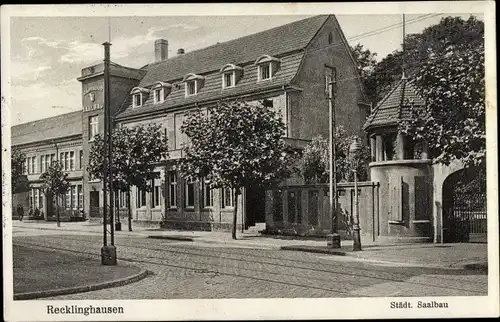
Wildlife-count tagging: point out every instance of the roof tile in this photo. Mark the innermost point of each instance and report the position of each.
(63, 125)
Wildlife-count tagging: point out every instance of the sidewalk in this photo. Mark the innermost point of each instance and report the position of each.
(42, 273)
(450, 256)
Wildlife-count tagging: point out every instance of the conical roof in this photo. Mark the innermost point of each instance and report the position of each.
(395, 106)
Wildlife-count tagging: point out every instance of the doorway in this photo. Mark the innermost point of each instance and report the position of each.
(255, 206)
(94, 204)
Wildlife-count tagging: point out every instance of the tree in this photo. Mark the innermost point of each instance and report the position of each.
(55, 184)
(366, 67)
(18, 178)
(453, 118)
(236, 145)
(314, 163)
(136, 152)
(418, 49)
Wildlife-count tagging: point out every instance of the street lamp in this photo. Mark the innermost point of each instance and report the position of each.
(354, 150)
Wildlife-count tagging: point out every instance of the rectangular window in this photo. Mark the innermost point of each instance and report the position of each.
(228, 80)
(137, 100)
(207, 194)
(72, 160)
(141, 198)
(158, 95)
(172, 189)
(74, 198)
(93, 126)
(265, 71)
(67, 200)
(32, 197)
(37, 197)
(52, 158)
(189, 195)
(81, 159)
(42, 163)
(227, 198)
(61, 158)
(40, 204)
(156, 196)
(80, 196)
(191, 88)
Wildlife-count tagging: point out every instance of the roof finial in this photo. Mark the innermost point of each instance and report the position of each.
(403, 66)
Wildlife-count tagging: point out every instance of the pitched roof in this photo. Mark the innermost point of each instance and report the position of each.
(275, 41)
(55, 127)
(287, 39)
(212, 89)
(396, 105)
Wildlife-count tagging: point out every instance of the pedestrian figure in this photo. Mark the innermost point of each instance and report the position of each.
(20, 212)
(37, 212)
(30, 213)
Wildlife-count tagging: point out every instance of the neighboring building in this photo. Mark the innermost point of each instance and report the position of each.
(44, 141)
(409, 199)
(287, 68)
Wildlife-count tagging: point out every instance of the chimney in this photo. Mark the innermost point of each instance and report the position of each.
(180, 51)
(161, 50)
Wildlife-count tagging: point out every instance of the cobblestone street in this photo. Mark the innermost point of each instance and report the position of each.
(190, 270)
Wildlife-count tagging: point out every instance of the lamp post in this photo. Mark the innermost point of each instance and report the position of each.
(108, 252)
(354, 150)
(333, 239)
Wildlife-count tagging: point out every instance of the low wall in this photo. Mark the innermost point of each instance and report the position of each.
(303, 210)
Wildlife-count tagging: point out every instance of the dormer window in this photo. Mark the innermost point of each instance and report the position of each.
(137, 100)
(160, 91)
(228, 80)
(193, 84)
(139, 96)
(159, 97)
(191, 88)
(231, 74)
(267, 67)
(265, 71)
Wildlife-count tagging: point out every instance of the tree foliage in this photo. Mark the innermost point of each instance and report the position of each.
(418, 48)
(314, 162)
(136, 152)
(17, 171)
(366, 67)
(54, 180)
(452, 82)
(235, 145)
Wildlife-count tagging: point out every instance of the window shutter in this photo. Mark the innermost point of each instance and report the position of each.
(395, 198)
(422, 198)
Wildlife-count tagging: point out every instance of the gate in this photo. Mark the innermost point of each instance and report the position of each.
(464, 207)
(468, 217)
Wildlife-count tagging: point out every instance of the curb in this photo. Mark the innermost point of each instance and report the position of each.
(82, 289)
(217, 242)
(179, 238)
(314, 250)
(482, 267)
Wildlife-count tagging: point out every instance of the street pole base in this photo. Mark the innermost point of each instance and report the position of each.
(356, 238)
(333, 241)
(118, 226)
(108, 255)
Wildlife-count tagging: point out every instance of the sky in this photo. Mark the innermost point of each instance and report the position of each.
(48, 53)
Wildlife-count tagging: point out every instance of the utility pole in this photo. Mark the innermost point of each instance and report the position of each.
(333, 239)
(108, 252)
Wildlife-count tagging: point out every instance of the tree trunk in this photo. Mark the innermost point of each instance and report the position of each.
(57, 211)
(235, 212)
(129, 212)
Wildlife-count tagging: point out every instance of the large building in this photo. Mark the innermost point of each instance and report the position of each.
(287, 68)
